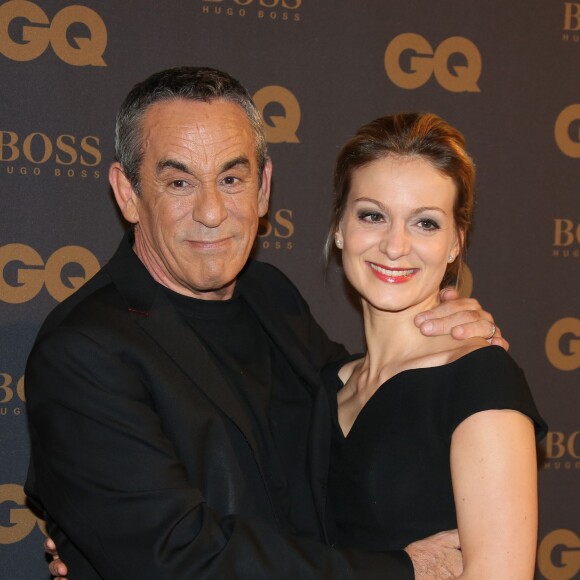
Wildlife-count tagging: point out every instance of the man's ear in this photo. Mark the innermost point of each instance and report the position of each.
(126, 198)
(265, 188)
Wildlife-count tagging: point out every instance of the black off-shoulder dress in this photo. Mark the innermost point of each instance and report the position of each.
(390, 479)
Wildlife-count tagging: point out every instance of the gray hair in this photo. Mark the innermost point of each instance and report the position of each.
(186, 83)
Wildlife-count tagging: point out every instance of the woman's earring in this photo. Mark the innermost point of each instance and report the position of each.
(338, 243)
(450, 259)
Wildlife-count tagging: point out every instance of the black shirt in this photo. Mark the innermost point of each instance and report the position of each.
(258, 372)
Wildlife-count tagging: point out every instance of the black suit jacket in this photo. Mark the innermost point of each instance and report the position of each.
(146, 463)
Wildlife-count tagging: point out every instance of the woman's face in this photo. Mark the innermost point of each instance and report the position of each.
(398, 232)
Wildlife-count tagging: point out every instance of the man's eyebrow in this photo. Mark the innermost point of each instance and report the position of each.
(172, 164)
(180, 166)
(241, 160)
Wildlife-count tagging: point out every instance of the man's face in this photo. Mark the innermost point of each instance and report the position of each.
(199, 203)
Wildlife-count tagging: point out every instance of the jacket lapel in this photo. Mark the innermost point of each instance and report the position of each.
(183, 345)
(295, 351)
(280, 331)
(156, 315)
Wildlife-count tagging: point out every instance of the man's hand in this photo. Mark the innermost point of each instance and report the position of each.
(436, 557)
(56, 567)
(460, 317)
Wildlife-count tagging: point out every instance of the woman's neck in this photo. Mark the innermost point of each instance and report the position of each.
(393, 340)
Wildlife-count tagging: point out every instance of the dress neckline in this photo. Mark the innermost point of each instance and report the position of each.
(391, 380)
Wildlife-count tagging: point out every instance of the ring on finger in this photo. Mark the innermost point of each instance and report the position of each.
(492, 333)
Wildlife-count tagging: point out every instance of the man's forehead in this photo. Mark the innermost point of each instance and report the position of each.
(189, 123)
(218, 113)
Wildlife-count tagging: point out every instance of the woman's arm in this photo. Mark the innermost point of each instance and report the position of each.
(494, 474)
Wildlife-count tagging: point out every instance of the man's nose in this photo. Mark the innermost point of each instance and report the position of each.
(209, 208)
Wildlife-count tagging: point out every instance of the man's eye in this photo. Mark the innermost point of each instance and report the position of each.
(370, 216)
(179, 183)
(230, 180)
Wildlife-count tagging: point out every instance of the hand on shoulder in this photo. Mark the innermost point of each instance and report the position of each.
(462, 318)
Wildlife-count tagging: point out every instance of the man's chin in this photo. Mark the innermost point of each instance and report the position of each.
(218, 288)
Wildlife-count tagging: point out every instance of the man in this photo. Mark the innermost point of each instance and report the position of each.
(177, 424)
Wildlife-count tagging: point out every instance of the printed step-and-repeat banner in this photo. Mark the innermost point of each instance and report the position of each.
(505, 73)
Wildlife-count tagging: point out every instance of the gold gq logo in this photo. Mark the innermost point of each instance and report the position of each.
(563, 344)
(38, 32)
(559, 555)
(424, 61)
(22, 520)
(279, 128)
(567, 131)
(32, 273)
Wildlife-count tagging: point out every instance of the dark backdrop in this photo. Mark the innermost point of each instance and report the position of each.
(505, 73)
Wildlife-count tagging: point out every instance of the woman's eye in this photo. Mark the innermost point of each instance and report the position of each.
(428, 224)
(370, 216)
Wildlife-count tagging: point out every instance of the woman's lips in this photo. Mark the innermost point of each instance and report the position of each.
(392, 275)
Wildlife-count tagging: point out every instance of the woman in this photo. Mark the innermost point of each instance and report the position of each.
(430, 433)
